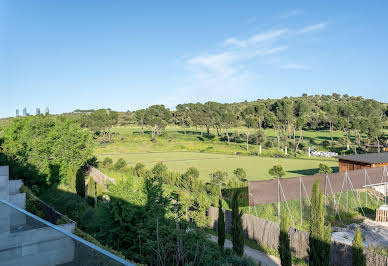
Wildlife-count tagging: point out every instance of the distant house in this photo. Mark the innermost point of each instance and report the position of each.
(375, 148)
(360, 161)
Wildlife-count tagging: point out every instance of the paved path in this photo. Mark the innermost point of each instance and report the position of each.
(255, 255)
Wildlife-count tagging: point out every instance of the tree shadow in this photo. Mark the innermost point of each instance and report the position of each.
(142, 232)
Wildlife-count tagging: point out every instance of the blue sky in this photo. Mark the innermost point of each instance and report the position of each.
(126, 55)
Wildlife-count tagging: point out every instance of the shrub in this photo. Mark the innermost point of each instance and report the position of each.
(139, 169)
(268, 144)
(159, 170)
(240, 174)
(107, 162)
(358, 257)
(325, 143)
(120, 164)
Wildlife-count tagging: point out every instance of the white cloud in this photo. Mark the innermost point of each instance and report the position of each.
(291, 13)
(256, 39)
(314, 27)
(294, 66)
(234, 69)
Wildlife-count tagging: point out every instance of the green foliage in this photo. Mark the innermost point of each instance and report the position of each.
(92, 193)
(221, 226)
(284, 242)
(218, 178)
(325, 169)
(120, 164)
(44, 150)
(237, 228)
(277, 171)
(107, 162)
(100, 121)
(190, 178)
(240, 174)
(320, 236)
(358, 257)
(159, 171)
(139, 169)
(80, 183)
(157, 117)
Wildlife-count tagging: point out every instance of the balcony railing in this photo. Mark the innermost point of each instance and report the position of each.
(26, 239)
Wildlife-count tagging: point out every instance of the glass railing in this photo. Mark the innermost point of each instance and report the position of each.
(26, 239)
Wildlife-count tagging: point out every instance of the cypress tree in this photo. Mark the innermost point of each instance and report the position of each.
(221, 226)
(237, 228)
(91, 191)
(358, 257)
(320, 237)
(284, 242)
(80, 183)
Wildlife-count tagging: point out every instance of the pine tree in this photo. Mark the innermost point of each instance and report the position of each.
(320, 237)
(284, 242)
(237, 228)
(358, 257)
(221, 226)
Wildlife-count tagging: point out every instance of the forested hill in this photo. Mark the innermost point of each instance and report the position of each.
(315, 112)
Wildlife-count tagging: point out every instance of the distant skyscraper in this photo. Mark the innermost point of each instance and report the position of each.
(38, 111)
(24, 111)
(46, 111)
(17, 112)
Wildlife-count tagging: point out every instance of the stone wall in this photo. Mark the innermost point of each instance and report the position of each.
(266, 233)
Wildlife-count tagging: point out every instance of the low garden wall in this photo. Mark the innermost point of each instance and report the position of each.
(266, 233)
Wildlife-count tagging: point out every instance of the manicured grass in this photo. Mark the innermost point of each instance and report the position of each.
(255, 167)
(180, 151)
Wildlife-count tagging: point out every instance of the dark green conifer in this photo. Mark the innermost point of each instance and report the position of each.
(237, 228)
(221, 226)
(358, 257)
(284, 242)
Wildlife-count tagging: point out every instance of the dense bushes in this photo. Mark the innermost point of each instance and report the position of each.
(140, 222)
(44, 150)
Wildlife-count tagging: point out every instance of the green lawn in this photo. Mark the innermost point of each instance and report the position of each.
(180, 151)
(255, 167)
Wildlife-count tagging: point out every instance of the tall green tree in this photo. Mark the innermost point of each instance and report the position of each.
(80, 183)
(139, 115)
(324, 169)
(237, 228)
(358, 257)
(218, 178)
(221, 226)
(284, 242)
(320, 235)
(157, 117)
(277, 171)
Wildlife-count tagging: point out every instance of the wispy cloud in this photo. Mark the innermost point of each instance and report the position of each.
(314, 27)
(229, 71)
(294, 66)
(256, 39)
(291, 13)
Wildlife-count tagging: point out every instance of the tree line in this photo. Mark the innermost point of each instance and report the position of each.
(361, 120)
